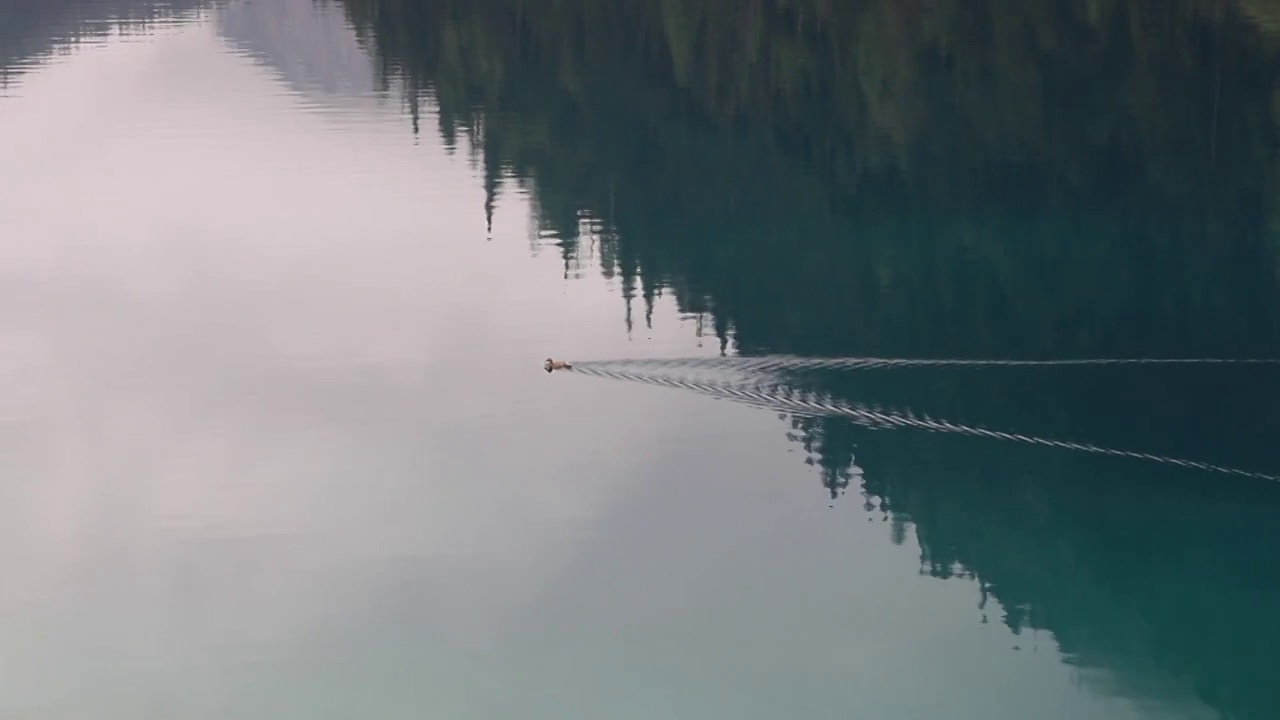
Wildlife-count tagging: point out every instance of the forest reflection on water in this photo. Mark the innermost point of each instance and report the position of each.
(945, 180)
(1100, 187)
(915, 180)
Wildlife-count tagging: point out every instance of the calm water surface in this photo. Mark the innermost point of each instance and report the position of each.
(278, 278)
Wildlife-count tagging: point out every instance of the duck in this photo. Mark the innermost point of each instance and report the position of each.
(551, 365)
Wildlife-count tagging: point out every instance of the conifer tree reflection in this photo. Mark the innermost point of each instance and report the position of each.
(945, 179)
(33, 31)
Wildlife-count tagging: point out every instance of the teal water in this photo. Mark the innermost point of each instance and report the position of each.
(279, 278)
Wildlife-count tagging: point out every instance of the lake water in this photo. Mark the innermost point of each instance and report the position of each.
(279, 277)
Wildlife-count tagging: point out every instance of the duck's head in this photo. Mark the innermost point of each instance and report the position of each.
(549, 365)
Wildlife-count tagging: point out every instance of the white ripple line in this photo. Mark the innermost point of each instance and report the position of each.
(771, 398)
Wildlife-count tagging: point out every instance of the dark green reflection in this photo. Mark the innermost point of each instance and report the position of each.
(1040, 179)
(34, 31)
(981, 179)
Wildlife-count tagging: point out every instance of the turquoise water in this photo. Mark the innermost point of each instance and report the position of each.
(279, 280)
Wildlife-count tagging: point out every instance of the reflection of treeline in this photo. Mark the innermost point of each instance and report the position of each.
(860, 86)
(1160, 576)
(892, 177)
(984, 179)
(945, 178)
(1163, 577)
(35, 29)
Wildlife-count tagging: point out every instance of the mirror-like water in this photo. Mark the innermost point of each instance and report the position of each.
(279, 277)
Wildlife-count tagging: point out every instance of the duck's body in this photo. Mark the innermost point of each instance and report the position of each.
(551, 365)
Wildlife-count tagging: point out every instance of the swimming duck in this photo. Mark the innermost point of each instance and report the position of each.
(550, 365)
